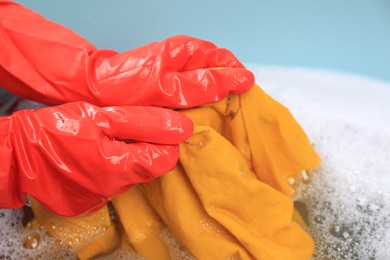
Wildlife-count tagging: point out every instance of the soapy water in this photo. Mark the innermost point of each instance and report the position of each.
(347, 118)
(348, 212)
(19, 242)
(345, 202)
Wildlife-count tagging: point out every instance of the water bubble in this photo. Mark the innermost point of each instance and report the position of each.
(319, 219)
(32, 241)
(68, 242)
(340, 231)
(291, 181)
(305, 177)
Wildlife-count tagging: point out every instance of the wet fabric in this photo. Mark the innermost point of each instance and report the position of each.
(229, 197)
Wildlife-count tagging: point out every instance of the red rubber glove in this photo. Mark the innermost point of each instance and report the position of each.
(46, 62)
(69, 157)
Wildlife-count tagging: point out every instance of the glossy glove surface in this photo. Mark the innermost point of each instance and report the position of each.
(74, 157)
(46, 62)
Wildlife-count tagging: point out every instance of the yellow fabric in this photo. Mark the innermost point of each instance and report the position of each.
(90, 236)
(141, 224)
(229, 196)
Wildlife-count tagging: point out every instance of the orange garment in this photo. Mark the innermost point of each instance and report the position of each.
(228, 197)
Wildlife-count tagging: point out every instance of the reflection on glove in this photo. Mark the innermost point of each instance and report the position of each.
(73, 158)
(49, 63)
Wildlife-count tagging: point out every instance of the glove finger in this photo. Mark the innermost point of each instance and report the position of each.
(204, 86)
(221, 57)
(128, 164)
(181, 49)
(238, 79)
(145, 124)
(211, 58)
(188, 43)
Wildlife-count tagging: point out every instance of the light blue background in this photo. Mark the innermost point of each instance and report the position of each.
(350, 36)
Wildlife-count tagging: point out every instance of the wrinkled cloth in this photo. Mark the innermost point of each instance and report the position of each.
(229, 196)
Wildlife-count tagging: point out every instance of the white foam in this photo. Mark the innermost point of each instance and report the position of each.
(348, 120)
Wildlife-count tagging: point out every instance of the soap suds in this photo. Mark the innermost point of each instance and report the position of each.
(347, 118)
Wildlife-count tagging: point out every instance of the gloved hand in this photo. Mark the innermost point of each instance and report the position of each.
(45, 62)
(72, 158)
